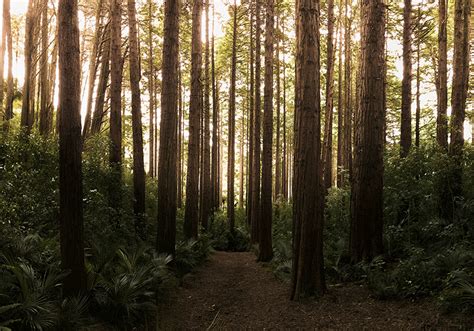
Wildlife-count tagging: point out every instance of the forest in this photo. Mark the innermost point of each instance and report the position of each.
(236, 164)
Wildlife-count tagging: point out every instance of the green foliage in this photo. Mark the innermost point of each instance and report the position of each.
(222, 239)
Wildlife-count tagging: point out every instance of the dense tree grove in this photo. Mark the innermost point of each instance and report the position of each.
(333, 139)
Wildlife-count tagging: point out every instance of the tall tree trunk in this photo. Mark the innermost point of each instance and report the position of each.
(265, 229)
(215, 127)
(340, 105)
(26, 107)
(327, 146)
(2, 66)
(284, 175)
(115, 130)
(347, 140)
(442, 81)
(45, 123)
(308, 263)
(191, 215)
(252, 114)
(70, 147)
(151, 92)
(9, 40)
(180, 138)
(138, 162)
(231, 146)
(256, 144)
(278, 120)
(206, 171)
(367, 186)
(166, 234)
(405, 131)
(462, 13)
(93, 66)
(418, 106)
(99, 111)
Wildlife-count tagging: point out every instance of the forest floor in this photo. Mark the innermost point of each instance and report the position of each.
(232, 291)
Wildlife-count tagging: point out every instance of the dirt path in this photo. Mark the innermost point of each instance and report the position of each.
(232, 291)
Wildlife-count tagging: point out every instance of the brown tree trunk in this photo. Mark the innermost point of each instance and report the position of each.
(284, 167)
(252, 115)
(367, 187)
(278, 120)
(180, 138)
(308, 263)
(327, 146)
(231, 146)
(27, 112)
(45, 122)
(206, 171)
(99, 111)
(405, 130)
(462, 13)
(93, 66)
(348, 115)
(340, 106)
(138, 163)
(418, 106)
(166, 234)
(265, 229)
(442, 81)
(115, 129)
(70, 147)
(9, 40)
(2, 65)
(191, 215)
(256, 135)
(151, 92)
(215, 128)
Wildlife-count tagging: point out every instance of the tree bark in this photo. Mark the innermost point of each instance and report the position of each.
(70, 147)
(252, 114)
(442, 116)
(256, 144)
(405, 131)
(138, 162)
(151, 92)
(265, 229)
(367, 187)
(8, 30)
(231, 146)
(308, 263)
(166, 234)
(215, 127)
(191, 215)
(278, 120)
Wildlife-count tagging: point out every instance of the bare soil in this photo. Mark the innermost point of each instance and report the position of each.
(232, 291)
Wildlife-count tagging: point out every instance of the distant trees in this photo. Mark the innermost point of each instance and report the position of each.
(70, 148)
(405, 127)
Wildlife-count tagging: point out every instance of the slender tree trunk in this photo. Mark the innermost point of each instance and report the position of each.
(215, 128)
(256, 144)
(9, 40)
(265, 229)
(26, 108)
(367, 187)
(70, 163)
(418, 106)
(115, 130)
(462, 12)
(327, 146)
(93, 67)
(442, 81)
(231, 148)
(151, 92)
(308, 263)
(191, 216)
(206, 171)
(252, 115)
(340, 105)
(2, 66)
(166, 235)
(99, 111)
(180, 138)
(45, 123)
(347, 139)
(278, 120)
(138, 163)
(284, 175)
(405, 131)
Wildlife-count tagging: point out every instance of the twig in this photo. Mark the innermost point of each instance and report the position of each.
(213, 321)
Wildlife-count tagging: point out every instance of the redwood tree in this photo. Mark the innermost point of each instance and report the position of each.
(70, 147)
(166, 234)
(367, 186)
(308, 263)
(265, 229)
(191, 214)
(442, 116)
(405, 130)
